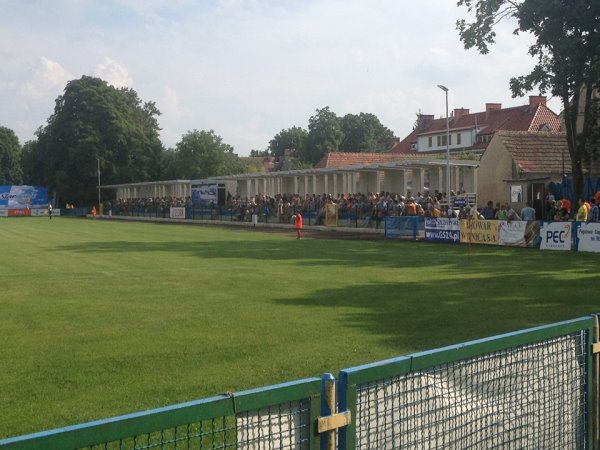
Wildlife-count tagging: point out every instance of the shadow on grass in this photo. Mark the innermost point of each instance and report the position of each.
(385, 254)
(412, 316)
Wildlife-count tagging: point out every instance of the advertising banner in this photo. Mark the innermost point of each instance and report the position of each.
(401, 226)
(479, 231)
(442, 230)
(17, 197)
(588, 236)
(177, 212)
(3, 212)
(556, 235)
(519, 233)
(204, 194)
(24, 212)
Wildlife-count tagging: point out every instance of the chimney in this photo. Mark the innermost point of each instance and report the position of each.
(535, 100)
(424, 121)
(459, 112)
(489, 107)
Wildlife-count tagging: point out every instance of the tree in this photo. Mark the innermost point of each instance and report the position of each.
(291, 140)
(259, 153)
(567, 39)
(203, 154)
(95, 123)
(364, 133)
(10, 157)
(324, 135)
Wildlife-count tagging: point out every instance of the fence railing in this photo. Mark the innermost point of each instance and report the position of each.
(530, 389)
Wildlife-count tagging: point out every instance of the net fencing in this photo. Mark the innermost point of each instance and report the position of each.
(283, 426)
(526, 397)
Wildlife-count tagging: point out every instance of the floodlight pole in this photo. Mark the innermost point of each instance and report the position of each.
(445, 89)
(98, 159)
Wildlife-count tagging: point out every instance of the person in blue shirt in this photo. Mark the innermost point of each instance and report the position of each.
(528, 213)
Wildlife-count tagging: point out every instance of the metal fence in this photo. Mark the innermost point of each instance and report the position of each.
(360, 216)
(276, 417)
(531, 389)
(528, 390)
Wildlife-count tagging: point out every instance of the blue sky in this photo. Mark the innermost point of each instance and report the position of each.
(250, 68)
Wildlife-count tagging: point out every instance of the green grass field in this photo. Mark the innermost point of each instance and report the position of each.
(101, 318)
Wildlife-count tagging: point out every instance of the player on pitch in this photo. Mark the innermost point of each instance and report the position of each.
(297, 218)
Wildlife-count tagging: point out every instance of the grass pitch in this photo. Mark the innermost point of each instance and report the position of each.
(102, 318)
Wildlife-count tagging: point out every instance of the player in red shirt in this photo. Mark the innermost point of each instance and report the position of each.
(298, 224)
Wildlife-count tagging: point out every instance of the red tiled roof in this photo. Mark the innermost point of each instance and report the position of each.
(518, 118)
(541, 152)
(537, 152)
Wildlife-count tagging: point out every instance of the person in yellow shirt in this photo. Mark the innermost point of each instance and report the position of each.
(582, 212)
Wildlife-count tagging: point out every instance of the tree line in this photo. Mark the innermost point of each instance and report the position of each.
(98, 126)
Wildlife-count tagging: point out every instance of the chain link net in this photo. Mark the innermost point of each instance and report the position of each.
(526, 397)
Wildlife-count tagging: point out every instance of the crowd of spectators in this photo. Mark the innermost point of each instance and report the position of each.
(370, 208)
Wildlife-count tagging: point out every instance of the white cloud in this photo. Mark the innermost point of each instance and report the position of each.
(114, 73)
(47, 78)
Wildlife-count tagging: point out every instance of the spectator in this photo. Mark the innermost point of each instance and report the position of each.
(594, 214)
(488, 211)
(582, 211)
(528, 213)
(511, 214)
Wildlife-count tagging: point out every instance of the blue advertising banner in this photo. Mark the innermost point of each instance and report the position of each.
(20, 197)
(442, 230)
(401, 226)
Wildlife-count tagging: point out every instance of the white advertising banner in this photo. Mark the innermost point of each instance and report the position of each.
(3, 212)
(518, 233)
(556, 235)
(588, 236)
(177, 212)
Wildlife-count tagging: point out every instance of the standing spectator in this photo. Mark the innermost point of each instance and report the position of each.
(488, 212)
(50, 210)
(528, 213)
(511, 214)
(594, 215)
(582, 211)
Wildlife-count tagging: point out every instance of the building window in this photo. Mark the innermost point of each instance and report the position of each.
(439, 141)
(430, 141)
(450, 139)
(458, 139)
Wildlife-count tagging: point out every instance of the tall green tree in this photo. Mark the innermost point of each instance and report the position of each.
(566, 47)
(10, 157)
(324, 135)
(364, 133)
(203, 154)
(292, 140)
(94, 124)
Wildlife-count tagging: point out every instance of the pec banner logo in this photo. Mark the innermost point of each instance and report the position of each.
(556, 236)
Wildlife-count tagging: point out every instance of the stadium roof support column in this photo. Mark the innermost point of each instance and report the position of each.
(436, 179)
(455, 178)
(325, 183)
(314, 184)
(335, 184)
(418, 179)
(394, 181)
(305, 185)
